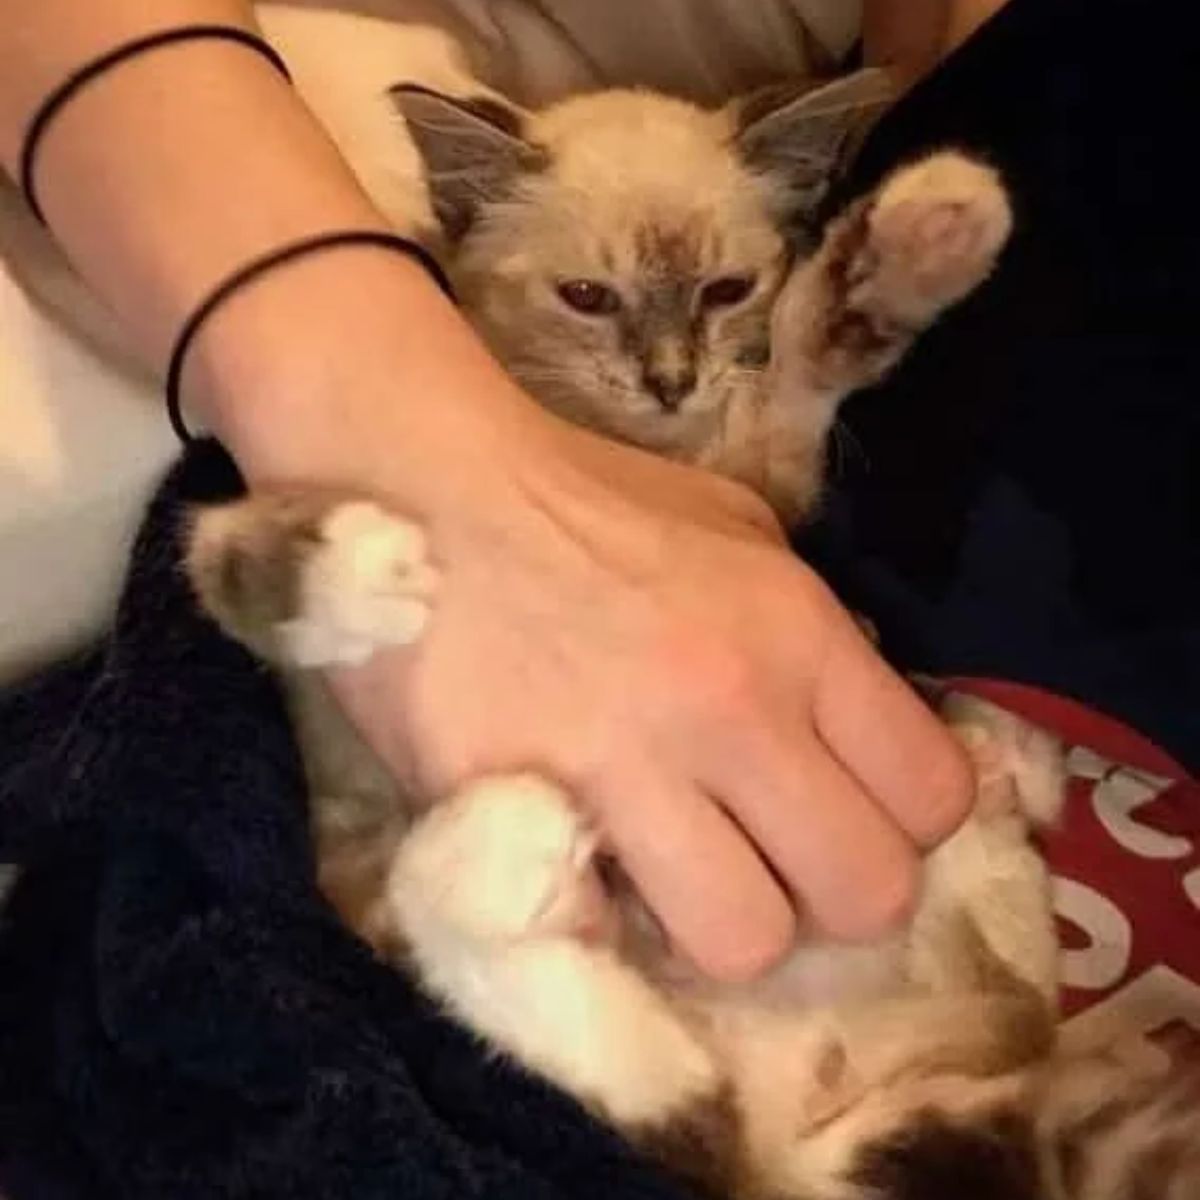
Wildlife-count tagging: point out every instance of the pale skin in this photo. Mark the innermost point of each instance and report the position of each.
(633, 628)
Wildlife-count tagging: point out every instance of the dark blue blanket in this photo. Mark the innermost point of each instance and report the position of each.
(1021, 500)
(180, 1014)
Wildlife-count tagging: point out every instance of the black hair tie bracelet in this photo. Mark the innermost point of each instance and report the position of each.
(82, 76)
(260, 266)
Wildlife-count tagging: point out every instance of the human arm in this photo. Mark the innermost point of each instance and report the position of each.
(913, 35)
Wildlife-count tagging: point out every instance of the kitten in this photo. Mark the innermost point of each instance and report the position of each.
(630, 258)
(637, 300)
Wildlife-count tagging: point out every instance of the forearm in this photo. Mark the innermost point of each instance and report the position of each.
(912, 35)
(907, 34)
(169, 172)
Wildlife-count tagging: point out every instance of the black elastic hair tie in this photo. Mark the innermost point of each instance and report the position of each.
(82, 76)
(260, 266)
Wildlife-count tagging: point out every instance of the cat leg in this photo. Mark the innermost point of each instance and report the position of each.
(496, 894)
(986, 919)
(980, 1004)
(311, 578)
(887, 267)
(1016, 762)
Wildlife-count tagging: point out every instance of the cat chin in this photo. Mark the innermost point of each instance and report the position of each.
(684, 436)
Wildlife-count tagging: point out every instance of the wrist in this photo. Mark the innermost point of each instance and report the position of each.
(350, 367)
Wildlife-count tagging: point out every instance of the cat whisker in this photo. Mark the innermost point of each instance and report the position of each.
(846, 447)
(556, 375)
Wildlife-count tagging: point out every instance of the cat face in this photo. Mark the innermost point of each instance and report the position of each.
(621, 251)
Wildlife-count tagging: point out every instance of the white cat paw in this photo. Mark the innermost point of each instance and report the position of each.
(505, 859)
(367, 585)
(1020, 768)
(936, 229)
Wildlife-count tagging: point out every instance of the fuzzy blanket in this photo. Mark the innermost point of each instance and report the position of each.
(180, 1013)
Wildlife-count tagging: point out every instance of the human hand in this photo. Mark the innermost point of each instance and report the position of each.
(638, 632)
(632, 628)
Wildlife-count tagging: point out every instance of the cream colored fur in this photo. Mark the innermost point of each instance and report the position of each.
(492, 891)
(383, 560)
(582, 218)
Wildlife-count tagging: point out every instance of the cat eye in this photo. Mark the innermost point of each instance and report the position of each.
(588, 296)
(727, 291)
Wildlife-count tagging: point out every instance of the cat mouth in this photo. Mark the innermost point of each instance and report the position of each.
(611, 407)
(682, 430)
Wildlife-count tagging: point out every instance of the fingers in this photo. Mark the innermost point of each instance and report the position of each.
(891, 742)
(849, 866)
(699, 874)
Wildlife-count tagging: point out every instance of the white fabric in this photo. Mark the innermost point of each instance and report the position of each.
(81, 444)
(80, 448)
(538, 49)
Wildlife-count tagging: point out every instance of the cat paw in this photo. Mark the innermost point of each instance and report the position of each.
(367, 584)
(310, 579)
(936, 229)
(1020, 769)
(505, 859)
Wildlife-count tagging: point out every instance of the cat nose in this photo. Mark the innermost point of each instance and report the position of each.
(670, 389)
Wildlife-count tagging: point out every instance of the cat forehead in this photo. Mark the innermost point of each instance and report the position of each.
(655, 181)
(643, 147)
(623, 116)
(669, 249)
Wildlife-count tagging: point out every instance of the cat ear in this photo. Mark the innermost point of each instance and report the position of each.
(802, 134)
(473, 148)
